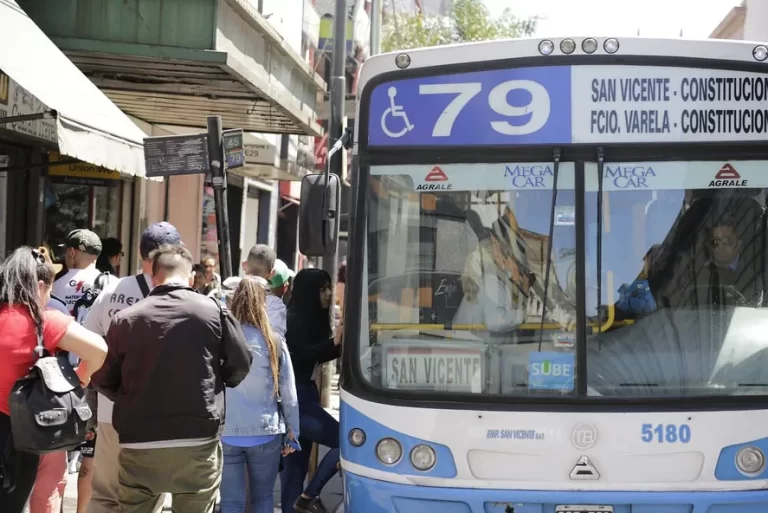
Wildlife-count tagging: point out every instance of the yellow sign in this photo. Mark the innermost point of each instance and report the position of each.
(5, 88)
(80, 172)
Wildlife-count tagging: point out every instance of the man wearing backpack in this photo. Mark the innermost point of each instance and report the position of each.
(118, 296)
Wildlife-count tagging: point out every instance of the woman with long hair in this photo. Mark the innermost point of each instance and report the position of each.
(311, 342)
(25, 288)
(262, 412)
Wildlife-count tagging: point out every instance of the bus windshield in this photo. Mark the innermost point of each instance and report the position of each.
(467, 293)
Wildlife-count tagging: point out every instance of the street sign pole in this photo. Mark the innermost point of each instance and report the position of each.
(219, 182)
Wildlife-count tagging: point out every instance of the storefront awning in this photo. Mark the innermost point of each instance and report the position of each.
(89, 126)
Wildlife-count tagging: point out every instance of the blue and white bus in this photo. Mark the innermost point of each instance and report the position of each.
(556, 279)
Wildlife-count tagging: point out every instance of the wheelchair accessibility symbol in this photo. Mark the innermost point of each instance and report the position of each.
(395, 111)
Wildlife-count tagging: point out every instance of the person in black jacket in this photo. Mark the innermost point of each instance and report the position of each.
(170, 357)
(311, 343)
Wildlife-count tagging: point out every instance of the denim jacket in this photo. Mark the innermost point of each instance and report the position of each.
(252, 405)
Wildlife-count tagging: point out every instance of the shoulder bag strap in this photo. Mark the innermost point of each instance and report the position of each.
(142, 281)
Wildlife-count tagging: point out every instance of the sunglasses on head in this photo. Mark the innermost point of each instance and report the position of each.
(38, 256)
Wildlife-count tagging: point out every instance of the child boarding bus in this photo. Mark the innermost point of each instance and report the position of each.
(557, 279)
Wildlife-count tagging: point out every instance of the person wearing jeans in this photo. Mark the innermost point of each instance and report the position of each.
(311, 343)
(258, 429)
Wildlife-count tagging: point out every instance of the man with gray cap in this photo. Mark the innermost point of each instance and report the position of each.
(118, 296)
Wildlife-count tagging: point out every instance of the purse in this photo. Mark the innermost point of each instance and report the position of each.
(48, 407)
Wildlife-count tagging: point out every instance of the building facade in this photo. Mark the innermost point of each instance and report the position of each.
(168, 65)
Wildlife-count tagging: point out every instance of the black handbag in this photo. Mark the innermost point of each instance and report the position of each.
(48, 406)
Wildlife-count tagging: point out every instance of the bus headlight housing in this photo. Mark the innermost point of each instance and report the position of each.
(389, 451)
(567, 46)
(423, 457)
(750, 460)
(546, 47)
(403, 60)
(357, 437)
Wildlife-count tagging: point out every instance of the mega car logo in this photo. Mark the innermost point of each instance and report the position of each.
(629, 177)
(728, 177)
(436, 175)
(527, 177)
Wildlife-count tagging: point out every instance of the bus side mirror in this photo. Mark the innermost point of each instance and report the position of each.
(318, 233)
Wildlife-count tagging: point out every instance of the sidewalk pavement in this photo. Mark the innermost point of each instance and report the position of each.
(332, 495)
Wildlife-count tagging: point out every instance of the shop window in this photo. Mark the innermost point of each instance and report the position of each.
(72, 206)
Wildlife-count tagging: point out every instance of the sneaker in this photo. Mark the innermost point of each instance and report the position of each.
(314, 505)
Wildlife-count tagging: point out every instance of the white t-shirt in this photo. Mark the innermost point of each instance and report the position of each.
(71, 286)
(117, 296)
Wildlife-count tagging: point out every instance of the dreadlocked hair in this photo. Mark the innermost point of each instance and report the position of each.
(19, 275)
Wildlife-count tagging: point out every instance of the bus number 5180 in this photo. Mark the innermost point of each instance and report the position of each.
(666, 433)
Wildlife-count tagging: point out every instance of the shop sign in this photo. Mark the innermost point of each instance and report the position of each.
(260, 152)
(17, 101)
(80, 173)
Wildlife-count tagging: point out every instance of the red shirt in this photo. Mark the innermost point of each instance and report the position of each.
(18, 341)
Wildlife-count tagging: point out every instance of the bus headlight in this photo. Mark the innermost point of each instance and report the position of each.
(423, 457)
(567, 46)
(611, 45)
(389, 451)
(750, 460)
(760, 52)
(589, 45)
(546, 47)
(403, 60)
(357, 437)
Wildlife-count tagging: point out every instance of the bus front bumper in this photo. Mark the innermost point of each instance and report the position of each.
(366, 495)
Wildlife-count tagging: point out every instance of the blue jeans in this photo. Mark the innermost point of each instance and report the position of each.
(261, 462)
(316, 426)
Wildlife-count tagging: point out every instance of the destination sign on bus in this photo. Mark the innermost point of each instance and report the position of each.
(426, 368)
(571, 104)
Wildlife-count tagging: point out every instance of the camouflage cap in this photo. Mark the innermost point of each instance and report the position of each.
(85, 241)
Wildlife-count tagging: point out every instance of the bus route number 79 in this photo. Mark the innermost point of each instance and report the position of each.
(666, 433)
(538, 108)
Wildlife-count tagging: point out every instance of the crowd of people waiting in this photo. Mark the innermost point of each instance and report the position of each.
(162, 355)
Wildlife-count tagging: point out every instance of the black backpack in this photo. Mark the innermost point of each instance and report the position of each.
(48, 408)
(90, 295)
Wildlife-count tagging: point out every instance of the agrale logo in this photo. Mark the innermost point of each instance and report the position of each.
(728, 177)
(436, 175)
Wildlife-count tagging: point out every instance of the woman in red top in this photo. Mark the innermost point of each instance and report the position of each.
(25, 288)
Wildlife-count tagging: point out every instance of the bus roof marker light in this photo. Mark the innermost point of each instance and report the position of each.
(403, 60)
(357, 437)
(389, 451)
(423, 457)
(611, 45)
(546, 47)
(589, 45)
(760, 53)
(750, 460)
(567, 46)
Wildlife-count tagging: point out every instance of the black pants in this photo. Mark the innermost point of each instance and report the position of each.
(20, 466)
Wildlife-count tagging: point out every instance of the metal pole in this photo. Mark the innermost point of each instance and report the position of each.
(219, 181)
(375, 27)
(335, 130)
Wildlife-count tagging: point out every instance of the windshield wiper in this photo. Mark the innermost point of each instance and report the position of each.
(600, 163)
(555, 170)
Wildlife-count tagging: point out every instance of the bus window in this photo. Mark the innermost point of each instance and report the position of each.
(683, 262)
(456, 278)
